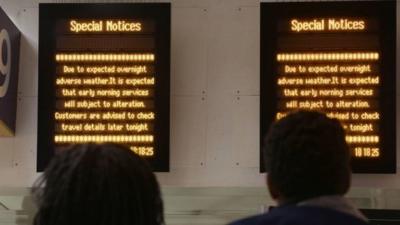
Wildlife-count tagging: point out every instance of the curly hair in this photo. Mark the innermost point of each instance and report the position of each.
(95, 184)
(306, 156)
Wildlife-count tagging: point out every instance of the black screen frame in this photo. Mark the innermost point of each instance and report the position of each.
(385, 11)
(49, 14)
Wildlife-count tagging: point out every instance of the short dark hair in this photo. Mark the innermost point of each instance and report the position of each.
(306, 156)
(98, 184)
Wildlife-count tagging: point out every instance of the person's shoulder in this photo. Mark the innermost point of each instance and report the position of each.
(253, 220)
(321, 215)
(306, 215)
(273, 217)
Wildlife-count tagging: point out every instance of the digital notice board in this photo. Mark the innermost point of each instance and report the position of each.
(104, 76)
(338, 58)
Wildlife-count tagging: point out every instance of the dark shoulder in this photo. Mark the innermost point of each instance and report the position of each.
(305, 215)
(254, 220)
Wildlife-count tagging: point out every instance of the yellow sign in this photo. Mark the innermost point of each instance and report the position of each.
(325, 24)
(104, 26)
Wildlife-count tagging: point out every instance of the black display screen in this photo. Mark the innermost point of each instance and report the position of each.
(104, 76)
(338, 58)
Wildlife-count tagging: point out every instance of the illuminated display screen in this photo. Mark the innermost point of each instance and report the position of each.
(338, 58)
(104, 76)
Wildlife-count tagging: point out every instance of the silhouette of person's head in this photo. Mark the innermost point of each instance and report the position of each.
(98, 184)
(306, 156)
